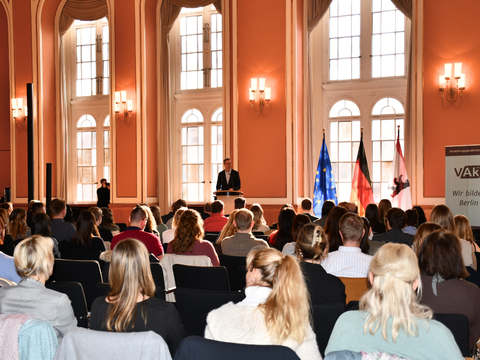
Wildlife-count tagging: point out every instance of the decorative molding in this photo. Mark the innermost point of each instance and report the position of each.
(90, 103)
(373, 85)
(205, 96)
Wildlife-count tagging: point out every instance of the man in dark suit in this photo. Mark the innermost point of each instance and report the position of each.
(228, 179)
(395, 221)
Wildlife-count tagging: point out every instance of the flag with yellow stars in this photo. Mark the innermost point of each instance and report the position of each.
(324, 188)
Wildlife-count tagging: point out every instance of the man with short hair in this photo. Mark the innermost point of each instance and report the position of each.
(103, 194)
(216, 221)
(105, 234)
(351, 207)
(176, 205)
(395, 221)
(61, 230)
(327, 206)
(242, 241)
(306, 209)
(228, 179)
(138, 219)
(348, 260)
(240, 203)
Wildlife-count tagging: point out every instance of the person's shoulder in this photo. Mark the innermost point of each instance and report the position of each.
(219, 314)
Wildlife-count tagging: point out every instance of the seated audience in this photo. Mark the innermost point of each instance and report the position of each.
(108, 222)
(412, 222)
(35, 208)
(161, 227)
(349, 261)
(151, 224)
(463, 230)
(216, 221)
(207, 210)
(138, 219)
(365, 242)
(7, 206)
(131, 304)
(395, 221)
(306, 209)
(299, 221)
(327, 206)
(390, 318)
(423, 231)
(6, 244)
(105, 234)
(7, 265)
(443, 273)
(383, 206)
(228, 230)
(242, 241)
(168, 216)
(41, 226)
(371, 213)
(311, 248)
(275, 311)
(332, 230)
(259, 223)
(239, 203)
(61, 230)
(443, 216)
(421, 215)
(170, 233)
(18, 225)
(279, 238)
(189, 238)
(34, 263)
(176, 205)
(351, 207)
(275, 225)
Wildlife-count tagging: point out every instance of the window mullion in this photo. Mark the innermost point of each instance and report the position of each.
(366, 41)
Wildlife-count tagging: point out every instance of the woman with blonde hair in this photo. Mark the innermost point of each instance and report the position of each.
(259, 222)
(18, 225)
(275, 310)
(443, 216)
(390, 318)
(228, 230)
(311, 247)
(151, 224)
(34, 261)
(463, 230)
(131, 304)
(189, 238)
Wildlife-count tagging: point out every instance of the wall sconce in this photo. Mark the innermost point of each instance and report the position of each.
(127, 105)
(263, 96)
(17, 108)
(452, 86)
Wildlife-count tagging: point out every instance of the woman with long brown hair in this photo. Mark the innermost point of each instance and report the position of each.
(332, 229)
(18, 225)
(131, 304)
(86, 238)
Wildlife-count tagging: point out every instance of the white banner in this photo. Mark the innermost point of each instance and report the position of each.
(462, 181)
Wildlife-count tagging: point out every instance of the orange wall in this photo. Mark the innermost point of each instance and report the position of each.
(5, 173)
(151, 85)
(449, 36)
(23, 74)
(299, 100)
(261, 38)
(126, 176)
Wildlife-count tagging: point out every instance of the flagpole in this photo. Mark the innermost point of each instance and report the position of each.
(398, 134)
(323, 133)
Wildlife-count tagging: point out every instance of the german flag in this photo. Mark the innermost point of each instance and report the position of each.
(362, 193)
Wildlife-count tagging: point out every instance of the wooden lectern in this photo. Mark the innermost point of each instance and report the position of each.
(228, 197)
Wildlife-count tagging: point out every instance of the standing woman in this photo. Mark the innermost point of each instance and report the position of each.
(275, 311)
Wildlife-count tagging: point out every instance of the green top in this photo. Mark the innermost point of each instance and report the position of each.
(434, 340)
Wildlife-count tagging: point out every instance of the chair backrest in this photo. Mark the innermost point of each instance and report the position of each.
(153, 258)
(157, 273)
(354, 288)
(324, 318)
(194, 305)
(121, 226)
(201, 277)
(74, 291)
(5, 281)
(86, 272)
(458, 325)
(236, 267)
(82, 344)
(211, 237)
(198, 348)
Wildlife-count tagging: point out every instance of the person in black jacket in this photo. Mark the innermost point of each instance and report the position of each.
(228, 179)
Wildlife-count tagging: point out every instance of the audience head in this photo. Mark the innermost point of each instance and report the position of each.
(107, 217)
(4, 216)
(421, 215)
(207, 208)
(332, 227)
(441, 254)
(240, 203)
(243, 220)
(138, 217)
(7, 206)
(327, 206)
(442, 215)
(365, 243)
(17, 224)
(371, 213)
(228, 164)
(284, 234)
(299, 221)
(352, 228)
(129, 277)
(287, 307)
(395, 218)
(229, 228)
(151, 224)
(412, 217)
(351, 207)
(41, 225)
(33, 258)
(463, 229)
(68, 214)
(177, 216)
(311, 243)
(157, 214)
(30, 204)
(178, 204)
(86, 229)
(38, 207)
(217, 207)
(98, 213)
(383, 206)
(58, 208)
(258, 218)
(306, 205)
(422, 232)
(189, 229)
(395, 276)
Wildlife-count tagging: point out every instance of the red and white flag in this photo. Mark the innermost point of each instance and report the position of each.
(399, 184)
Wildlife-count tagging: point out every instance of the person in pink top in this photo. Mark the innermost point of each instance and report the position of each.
(189, 238)
(216, 221)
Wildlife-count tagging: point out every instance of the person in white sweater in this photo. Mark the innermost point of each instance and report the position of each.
(276, 291)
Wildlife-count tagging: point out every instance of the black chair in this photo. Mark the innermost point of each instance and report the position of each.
(158, 277)
(324, 318)
(74, 291)
(458, 325)
(213, 278)
(212, 237)
(198, 348)
(194, 305)
(103, 289)
(474, 276)
(121, 226)
(153, 258)
(237, 268)
(263, 237)
(86, 272)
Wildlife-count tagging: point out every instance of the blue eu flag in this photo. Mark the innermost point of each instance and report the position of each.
(324, 182)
